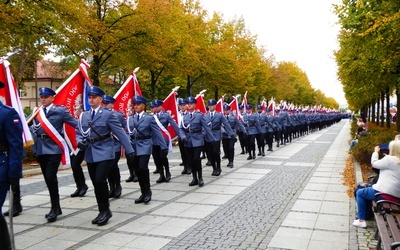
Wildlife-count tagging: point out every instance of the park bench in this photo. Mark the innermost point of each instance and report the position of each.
(387, 216)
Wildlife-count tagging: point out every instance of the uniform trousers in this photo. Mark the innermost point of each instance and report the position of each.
(160, 160)
(260, 141)
(98, 172)
(141, 167)
(193, 157)
(242, 140)
(214, 152)
(49, 165)
(4, 186)
(251, 145)
(77, 172)
(183, 153)
(114, 177)
(228, 144)
(269, 139)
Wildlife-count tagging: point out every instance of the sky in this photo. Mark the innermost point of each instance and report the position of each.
(304, 32)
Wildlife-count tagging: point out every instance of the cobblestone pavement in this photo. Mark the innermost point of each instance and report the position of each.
(250, 206)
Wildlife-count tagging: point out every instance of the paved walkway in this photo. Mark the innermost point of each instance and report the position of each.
(293, 198)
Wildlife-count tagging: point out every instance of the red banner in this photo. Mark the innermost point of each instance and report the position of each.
(73, 95)
(235, 107)
(123, 98)
(9, 96)
(200, 105)
(220, 105)
(171, 107)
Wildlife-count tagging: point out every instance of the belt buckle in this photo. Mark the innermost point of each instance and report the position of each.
(91, 140)
(43, 136)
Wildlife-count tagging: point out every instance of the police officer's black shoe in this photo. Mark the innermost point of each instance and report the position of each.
(130, 179)
(224, 157)
(140, 199)
(111, 193)
(118, 192)
(230, 164)
(103, 218)
(242, 153)
(259, 154)
(96, 220)
(135, 178)
(76, 193)
(52, 215)
(249, 158)
(161, 179)
(17, 209)
(181, 164)
(254, 156)
(156, 171)
(167, 177)
(147, 197)
(194, 182)
(213, 173)
(83, 191)
(201, 182)
(208, 163)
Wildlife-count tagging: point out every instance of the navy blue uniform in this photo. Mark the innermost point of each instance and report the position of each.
(11, 151)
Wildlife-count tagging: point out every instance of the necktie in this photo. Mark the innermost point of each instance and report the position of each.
(138, 117)
(45, 111)
(191, 115)
(93, 113)
(212, 115)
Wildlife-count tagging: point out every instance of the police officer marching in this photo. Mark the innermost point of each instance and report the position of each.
(228, 143)
(143, 130)
(182, 112)
(48, 129)
(11, 151)
(95, 132)
(217, 121)
(114, 176)
(253, 128)
(191, 130)
(242, 139)
(163, 119)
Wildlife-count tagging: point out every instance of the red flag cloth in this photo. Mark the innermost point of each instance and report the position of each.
(200, 105)
(220, 105)
(271, 107)
(9, 96)
(170, 105)
(123, 98)
(235, 107)
(244, 102)
(264, 105)
(73, 95)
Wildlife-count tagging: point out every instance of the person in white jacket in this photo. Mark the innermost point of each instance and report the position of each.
(388, 181)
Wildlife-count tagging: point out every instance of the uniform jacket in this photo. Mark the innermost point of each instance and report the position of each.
(122, 120)
(143, 133)
(57, 116)
(270, 125)
(252, 124)
(217, 124)
(166, 119)
(191, 128)
(11, 139)
(104, 122)
(235, 125)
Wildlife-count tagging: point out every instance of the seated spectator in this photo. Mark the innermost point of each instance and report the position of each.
(360, 129)
(388, 181)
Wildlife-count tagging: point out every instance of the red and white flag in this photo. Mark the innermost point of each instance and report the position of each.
(200, 105)
(244, 102)
(220, 105)
(123, 98)
(264, 105)
(271, 106)
(235, 107)
(170, 105)
(9, 96)
(73, 95)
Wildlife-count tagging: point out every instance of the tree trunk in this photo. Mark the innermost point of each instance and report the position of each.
(398, 106)
(189, 86)
(216, 93)
(382, 109)
(378, 111)
(95, 70)
(388, 120)
(373, 117)
(153, 82)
